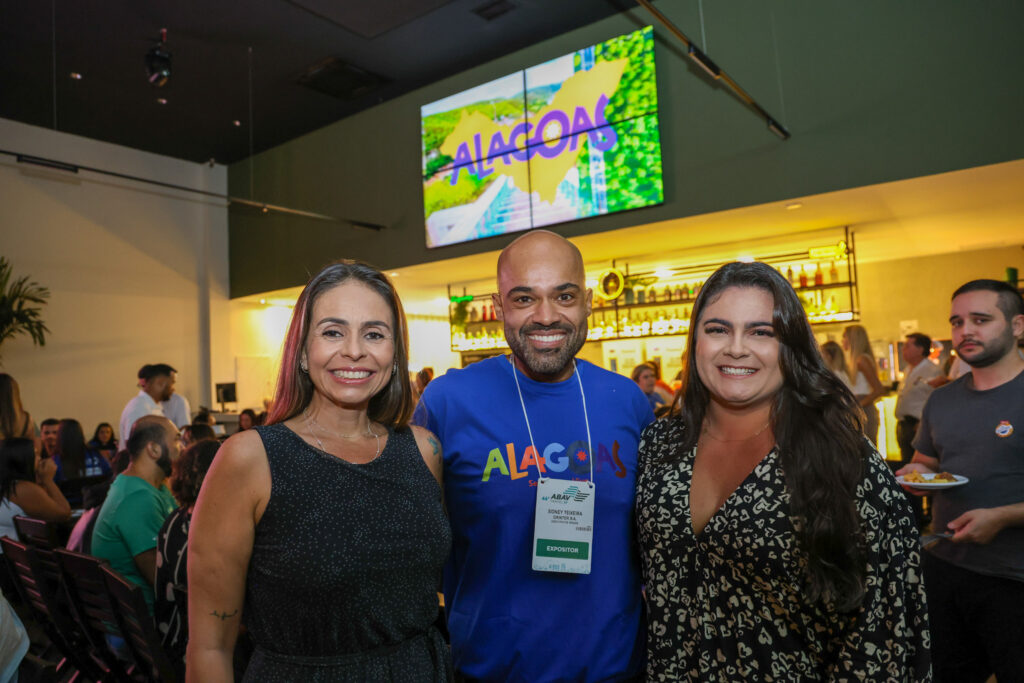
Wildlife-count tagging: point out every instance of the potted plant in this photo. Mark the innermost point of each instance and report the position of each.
(21, 302)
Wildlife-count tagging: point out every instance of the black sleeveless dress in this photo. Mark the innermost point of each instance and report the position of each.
(346, 562)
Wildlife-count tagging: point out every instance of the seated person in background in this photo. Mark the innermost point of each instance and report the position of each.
(246, 419)
(191, 434)
(48, 436)
(80, 539)
(138, 503)
(74, 459)
(171, 606)
(26, 486)
(104, 440)
(204, 417)
(660, 385)
(644, 377)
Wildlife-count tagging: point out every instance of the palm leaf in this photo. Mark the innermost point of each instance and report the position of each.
(21, 302)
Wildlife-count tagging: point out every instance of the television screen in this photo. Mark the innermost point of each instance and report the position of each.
(571, 138)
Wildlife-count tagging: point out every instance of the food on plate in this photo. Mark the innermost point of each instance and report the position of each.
(918, 478)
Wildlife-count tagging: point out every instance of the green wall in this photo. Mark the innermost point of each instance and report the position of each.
(872, 91)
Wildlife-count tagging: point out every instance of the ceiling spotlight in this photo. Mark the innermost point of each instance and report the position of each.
(158, 62)
(76, 76)
(161, 100)
(237, 123)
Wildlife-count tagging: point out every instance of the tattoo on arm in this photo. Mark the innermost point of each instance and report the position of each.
(223, 615)
(435, 444)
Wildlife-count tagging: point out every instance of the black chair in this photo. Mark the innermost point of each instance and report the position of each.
(37, 532)
(73, 489)
(38, 592)
(91, 604)
(42, 536)
(138, 629)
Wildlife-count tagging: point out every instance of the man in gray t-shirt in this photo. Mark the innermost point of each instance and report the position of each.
(975, 427)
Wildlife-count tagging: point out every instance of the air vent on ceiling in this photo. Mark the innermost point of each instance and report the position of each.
(337, 78)
(493, 10)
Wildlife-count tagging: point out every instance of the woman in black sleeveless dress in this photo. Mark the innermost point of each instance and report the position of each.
(324, 532)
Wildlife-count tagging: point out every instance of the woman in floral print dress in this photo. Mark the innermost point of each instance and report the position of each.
(776, 544)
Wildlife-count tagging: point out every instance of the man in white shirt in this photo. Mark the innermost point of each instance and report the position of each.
(157, 385)
(913, 393)
(176, 408)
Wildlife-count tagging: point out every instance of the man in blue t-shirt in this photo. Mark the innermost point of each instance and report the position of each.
(501, 422)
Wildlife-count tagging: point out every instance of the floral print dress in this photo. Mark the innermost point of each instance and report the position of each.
(727, 604)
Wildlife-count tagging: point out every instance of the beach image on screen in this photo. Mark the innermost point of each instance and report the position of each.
(571, 138)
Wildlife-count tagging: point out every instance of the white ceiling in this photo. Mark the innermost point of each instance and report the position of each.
(977, 208)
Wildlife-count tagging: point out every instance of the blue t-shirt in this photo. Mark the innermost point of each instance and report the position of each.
(508, 622)
(95, 465)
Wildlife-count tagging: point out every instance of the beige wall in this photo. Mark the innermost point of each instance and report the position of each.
(137, 273)
(920, 288)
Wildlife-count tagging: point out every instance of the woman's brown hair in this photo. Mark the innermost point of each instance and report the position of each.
(190, 469)
(817, 425)
(393, 405)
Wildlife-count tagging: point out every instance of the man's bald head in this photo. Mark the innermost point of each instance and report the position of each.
(150, 429)
(544, 304)
(536, 247)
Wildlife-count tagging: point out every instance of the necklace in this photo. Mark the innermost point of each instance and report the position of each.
(746, 438)
(586, 419)
(369, 432)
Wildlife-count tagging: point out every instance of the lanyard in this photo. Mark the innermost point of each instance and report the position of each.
(586, 420)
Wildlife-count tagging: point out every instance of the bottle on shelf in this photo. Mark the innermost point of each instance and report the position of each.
(474, 315)
(652, 295)
(667, 294)
(803, 277)
(819, 277)
(641, 295)
(833, 274)
(789, 276)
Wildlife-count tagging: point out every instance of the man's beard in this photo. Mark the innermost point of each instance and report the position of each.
(164, 461)
(547, 361)
(992, 352)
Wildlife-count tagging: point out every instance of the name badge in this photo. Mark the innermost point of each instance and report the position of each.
(563, 526)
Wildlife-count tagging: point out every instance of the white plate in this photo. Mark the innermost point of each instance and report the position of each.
(960, 481)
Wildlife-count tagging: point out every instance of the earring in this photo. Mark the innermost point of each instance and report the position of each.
(303, 366)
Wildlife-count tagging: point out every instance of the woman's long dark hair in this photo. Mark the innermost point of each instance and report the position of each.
(190, 469)
(393, 405)
(817, 426)
(71, 447)
(17, 463)
(12, 415)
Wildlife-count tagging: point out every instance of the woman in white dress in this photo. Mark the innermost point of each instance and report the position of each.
(863, 374)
